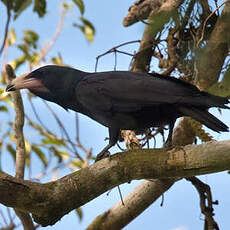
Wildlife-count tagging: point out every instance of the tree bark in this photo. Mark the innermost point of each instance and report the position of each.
(50, 201)
(25, 218)
(141, 10)
(208, 69)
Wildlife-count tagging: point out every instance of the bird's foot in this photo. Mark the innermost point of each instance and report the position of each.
(168, 144)
(102, 154)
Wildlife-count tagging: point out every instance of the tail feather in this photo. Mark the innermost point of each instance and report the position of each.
(205, 118)
(215, 101)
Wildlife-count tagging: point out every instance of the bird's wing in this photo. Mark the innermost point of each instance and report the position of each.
(127, 91)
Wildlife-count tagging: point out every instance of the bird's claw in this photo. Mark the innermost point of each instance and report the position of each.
(168, 144)
(101, 155)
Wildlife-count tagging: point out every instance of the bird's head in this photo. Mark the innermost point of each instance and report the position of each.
(52, 83)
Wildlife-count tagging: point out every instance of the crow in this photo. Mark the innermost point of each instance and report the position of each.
(123, 99)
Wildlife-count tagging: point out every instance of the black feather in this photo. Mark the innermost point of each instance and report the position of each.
(128, 100)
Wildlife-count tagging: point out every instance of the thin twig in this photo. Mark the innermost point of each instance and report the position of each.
(206, 202)
(63, 129)
(88, 153)
(6, 28)
(10, 226)
(205, 22)
(146, 23)
(11, 218)
(115, 60)
(18, 126)
(122, 149)
(37, 116)
(3, 217)
(55, 37)
(114, 49)
(20, 144)
(162, 200)
(119, 190)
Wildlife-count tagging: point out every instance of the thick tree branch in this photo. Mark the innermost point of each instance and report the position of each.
(208, 69)
(222, 88)
(136, 202)
(142, 9)
(49, 202)
(140, 63)
(182, 134)
(156, 22)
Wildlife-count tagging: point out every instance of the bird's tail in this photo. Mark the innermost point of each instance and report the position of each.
(205, 118)
(215, 101)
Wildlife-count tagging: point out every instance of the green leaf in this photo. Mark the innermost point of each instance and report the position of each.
(34, 59)
(40, 7)
(60, 154)
(67, 6)
(31, 38)
(53, 141)
(40, 154)
(28, 150)
(87, 28)
(76, 164)
(24, 49)
(3, 108)
(11, 39)
(80, 5)
(79, 213)
(17, 62)
(2, 90)
(8, 3)
(20, 7)
(57, 61)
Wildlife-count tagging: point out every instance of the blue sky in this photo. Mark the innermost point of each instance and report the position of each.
(181, 205)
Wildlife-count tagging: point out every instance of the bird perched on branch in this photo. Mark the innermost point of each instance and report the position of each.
(122, 99)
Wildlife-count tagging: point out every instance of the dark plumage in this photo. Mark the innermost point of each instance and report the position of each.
(123, 99)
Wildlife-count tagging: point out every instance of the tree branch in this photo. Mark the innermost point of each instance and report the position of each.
(142, 9)
(18, 126)
(156, 22)
(6, 28)
(208, 69)
(20, 144)
(206, 202)
(140, 63)
(51, 43)
(49, 202)
(136, 202)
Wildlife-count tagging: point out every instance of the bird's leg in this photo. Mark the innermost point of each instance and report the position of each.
(168, 143)
(113, 137)
(104, 153)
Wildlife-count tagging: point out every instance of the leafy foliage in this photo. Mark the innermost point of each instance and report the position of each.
(48, 145)
(40, 7)
(18, 6)
(41, 155)
(21, 6)
(80, 5)
(87, 29)
(79, 213)
(11, 37)
(56, 150)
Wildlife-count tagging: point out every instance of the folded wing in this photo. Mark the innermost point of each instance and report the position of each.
(125, 91)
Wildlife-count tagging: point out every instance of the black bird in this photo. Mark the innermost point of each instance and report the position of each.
(122, 99)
